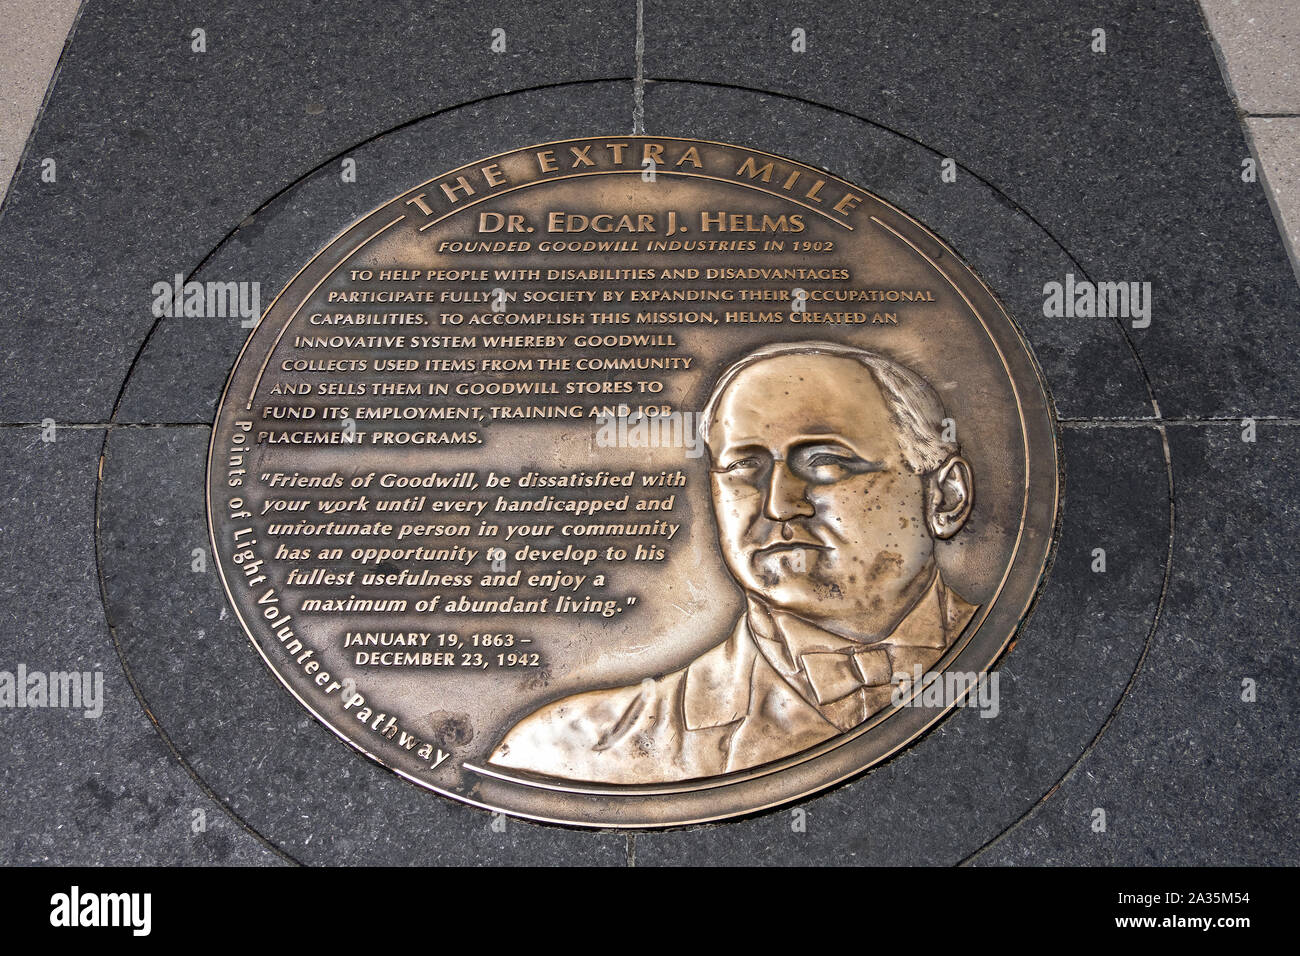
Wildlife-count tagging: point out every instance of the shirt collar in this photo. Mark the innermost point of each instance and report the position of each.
(716, 687)
(784, 637)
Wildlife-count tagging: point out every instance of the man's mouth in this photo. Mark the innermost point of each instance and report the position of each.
(781, 547)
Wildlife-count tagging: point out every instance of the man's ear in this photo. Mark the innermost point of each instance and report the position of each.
(949, 495)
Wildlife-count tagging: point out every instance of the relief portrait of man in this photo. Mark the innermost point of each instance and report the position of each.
(831, 482)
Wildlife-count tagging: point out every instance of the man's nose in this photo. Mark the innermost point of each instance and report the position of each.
(785, 495)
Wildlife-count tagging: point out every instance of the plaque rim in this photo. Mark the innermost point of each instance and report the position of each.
(922, 720)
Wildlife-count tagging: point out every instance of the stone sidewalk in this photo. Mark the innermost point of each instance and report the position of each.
(1127, 164)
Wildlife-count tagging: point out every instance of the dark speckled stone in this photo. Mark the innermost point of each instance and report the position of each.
(82, 790)
(161, 151)
(278, 240)
(1190, 773)
(1090, 368)
(1130, 159)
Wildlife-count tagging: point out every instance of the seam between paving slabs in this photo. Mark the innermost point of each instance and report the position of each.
(7, 187)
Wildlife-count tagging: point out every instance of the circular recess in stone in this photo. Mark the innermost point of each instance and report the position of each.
(291, 781)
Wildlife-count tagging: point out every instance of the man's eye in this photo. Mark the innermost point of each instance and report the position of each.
(741, 464)
(824, 458)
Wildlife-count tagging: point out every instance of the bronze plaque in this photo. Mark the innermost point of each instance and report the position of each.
(633, 481)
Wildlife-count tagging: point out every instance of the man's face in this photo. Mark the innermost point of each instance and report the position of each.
(818, 513)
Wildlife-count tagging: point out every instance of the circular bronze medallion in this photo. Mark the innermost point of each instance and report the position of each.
(632, 481)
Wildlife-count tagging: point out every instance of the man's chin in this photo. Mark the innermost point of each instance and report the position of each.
(784, 566)
(795, 593)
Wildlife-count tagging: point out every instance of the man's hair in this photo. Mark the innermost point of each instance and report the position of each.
(915, 409)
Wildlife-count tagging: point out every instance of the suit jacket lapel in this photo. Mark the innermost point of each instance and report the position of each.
(715, 691)
(780, 721)
(740, 711)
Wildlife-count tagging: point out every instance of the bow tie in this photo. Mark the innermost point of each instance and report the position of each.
(836, 674)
